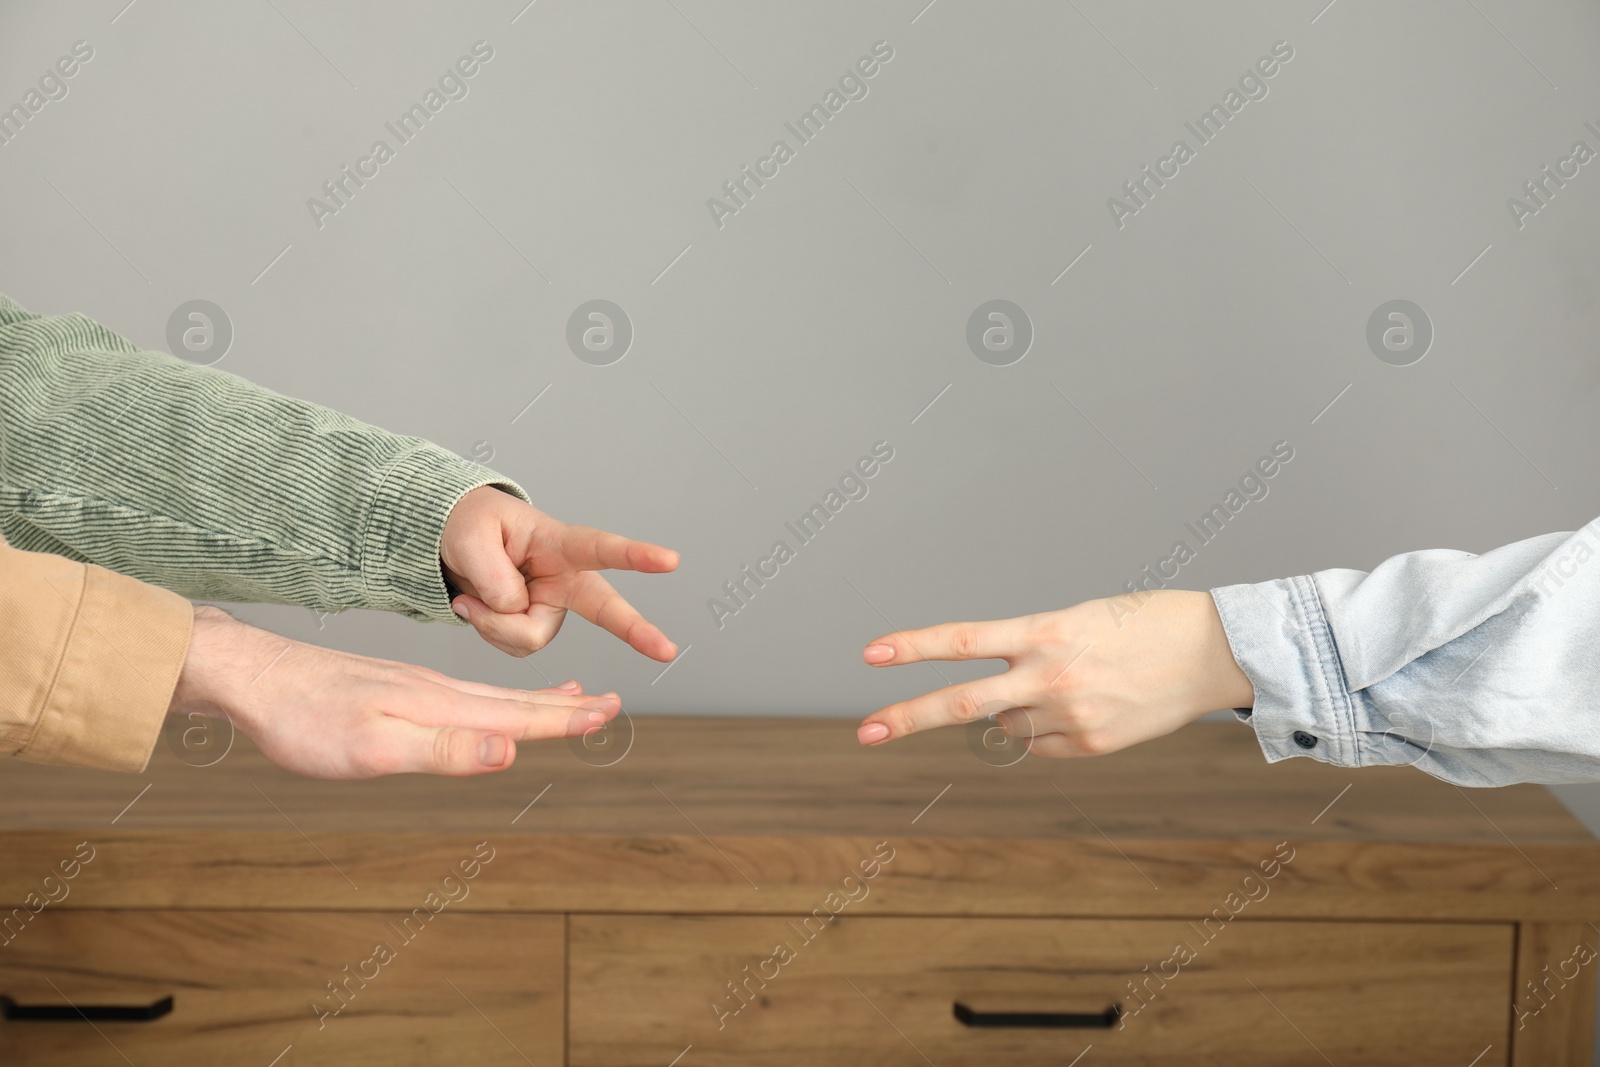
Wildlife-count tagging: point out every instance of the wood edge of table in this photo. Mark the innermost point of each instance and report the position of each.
(1076, 877)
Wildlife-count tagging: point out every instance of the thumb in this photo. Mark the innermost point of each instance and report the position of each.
(455, 751)
(489, 574)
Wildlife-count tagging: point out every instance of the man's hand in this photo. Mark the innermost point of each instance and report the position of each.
(1084, 681)
(326, 714)
(519, 571)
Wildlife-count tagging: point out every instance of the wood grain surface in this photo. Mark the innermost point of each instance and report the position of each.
(677, 851)
(1554, 991)
(809, 777)
(717, 816)
(871, 991)
(463, 989)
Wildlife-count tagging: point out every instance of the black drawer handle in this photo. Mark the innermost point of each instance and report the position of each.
(93, 1012)
(1039, 1020)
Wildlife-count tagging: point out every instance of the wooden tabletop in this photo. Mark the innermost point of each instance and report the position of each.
(708, 807)
(809, 776)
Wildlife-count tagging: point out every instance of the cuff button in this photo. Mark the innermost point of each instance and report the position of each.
(1304, 740)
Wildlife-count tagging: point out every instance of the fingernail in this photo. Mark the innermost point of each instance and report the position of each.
(879, 653)
(872, 732)
(569, 684)
(492, 752)
(597, 717)
(459, 608)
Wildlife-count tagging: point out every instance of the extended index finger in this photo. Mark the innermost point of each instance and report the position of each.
(1000, 639)
(589, 549)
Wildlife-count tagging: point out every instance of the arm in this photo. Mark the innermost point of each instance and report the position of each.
(200, 482)
(94, 661)
(1481, 670)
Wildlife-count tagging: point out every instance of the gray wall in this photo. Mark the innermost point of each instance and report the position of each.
(772, 350)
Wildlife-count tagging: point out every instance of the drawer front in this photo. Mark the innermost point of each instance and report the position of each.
(453, 988)
(882, 991)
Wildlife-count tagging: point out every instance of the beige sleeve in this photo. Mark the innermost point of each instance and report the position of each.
(88, 661)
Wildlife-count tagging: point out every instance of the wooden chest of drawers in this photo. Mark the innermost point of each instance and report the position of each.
(766, 892)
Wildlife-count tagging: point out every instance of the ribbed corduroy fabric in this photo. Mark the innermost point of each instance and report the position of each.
(203, 483)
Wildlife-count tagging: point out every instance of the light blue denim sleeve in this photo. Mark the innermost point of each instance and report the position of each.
(1480, 670)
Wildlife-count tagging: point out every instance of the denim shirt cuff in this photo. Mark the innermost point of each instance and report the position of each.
(1280, 637)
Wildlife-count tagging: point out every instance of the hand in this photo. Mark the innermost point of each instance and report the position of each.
(1084, 681)
(327, 714)
(519, 571)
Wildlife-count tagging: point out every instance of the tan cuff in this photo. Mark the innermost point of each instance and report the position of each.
(90, 661)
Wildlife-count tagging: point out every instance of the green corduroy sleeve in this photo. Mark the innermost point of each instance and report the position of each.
(203, 483)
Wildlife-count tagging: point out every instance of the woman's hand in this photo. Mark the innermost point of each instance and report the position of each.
(519, 572)
(1084, 681)
(327, 714)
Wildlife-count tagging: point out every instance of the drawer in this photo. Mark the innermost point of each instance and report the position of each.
(882, 991)
(453, 988)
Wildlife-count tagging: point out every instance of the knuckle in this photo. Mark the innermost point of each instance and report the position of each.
(1076, 718)
(1071, 670)
(1018, 723)
(1095, 742)
(1046, 716)
(519, 649)
(963, 640)
(966, 705)
(1052, 628)
(450, 748)
(1062, 683)
(901, 720)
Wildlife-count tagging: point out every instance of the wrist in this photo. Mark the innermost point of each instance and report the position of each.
(466, 515)
(1224, 685)
(221, 649)
(418, 494)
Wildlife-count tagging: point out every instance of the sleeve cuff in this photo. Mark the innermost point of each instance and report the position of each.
(1280, 637)
(125, 643)
(400, 567)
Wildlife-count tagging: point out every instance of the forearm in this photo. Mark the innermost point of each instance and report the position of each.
(1481, 670)
(208, 485)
